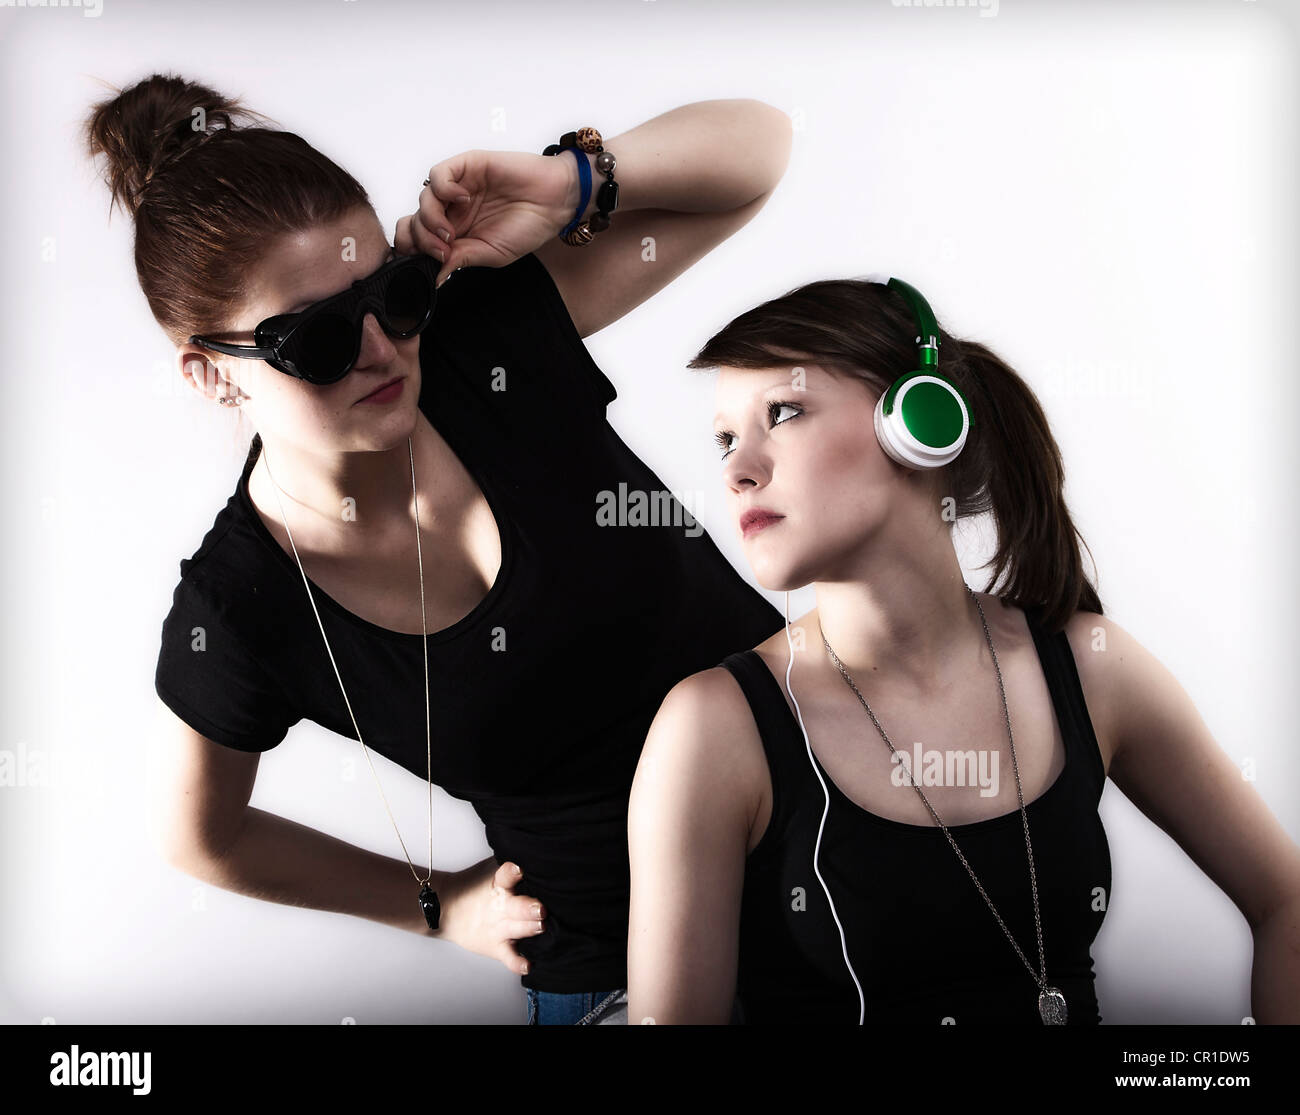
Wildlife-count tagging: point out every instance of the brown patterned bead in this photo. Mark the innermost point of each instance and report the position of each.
(588, 139)
(579, 236)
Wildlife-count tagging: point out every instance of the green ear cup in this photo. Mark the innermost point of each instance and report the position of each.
(922, 420)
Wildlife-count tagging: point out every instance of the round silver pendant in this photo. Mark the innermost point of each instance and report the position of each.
(1051, 1006)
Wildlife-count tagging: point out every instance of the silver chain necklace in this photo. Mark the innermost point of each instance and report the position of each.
(1051, 1003)
(428, 897)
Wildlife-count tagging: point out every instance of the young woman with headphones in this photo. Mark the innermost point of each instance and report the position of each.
(887, 812)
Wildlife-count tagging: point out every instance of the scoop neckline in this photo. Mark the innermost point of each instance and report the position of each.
(490, 494)
(969, 826)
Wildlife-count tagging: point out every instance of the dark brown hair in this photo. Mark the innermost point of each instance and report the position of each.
(1010, 466)
(207, 195)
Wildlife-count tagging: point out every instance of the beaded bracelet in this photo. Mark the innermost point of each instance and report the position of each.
(583, 142)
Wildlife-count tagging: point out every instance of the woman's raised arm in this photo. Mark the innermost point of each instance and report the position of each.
(687, 180)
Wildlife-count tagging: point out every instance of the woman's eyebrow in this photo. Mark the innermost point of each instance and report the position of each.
(780, 388)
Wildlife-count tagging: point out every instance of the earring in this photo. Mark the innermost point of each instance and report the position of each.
(231, 400)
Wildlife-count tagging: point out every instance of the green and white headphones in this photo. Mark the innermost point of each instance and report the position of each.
(922, 420)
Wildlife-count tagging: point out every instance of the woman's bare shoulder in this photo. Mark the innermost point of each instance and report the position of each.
(705, 705)
(703, 750)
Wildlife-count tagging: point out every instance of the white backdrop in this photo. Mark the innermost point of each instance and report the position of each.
(1103, 193)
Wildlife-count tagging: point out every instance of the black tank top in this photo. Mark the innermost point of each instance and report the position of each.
(924, 945)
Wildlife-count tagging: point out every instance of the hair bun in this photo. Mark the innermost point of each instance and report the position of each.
(146, 127)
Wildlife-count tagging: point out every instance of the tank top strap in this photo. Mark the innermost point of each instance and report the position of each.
(783, 742)
(1062, 675)
(786, 751)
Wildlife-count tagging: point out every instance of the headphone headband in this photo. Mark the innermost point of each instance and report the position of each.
(928, 339)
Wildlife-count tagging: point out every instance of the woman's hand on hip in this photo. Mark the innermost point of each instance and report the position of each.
(500, 205)
(481, 913)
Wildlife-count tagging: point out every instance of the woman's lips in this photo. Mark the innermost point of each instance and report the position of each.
(385, 394)
(756, 518)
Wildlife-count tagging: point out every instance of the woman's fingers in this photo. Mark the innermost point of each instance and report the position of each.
(521, 915)
(523, 907)
(428, 229)
(516, 930)
(443, 189)
(430, 224)
(507, 875)
(512, 960)
(410, 237)
(402, 239)
(446, 207)
(448, 180)
(423, 239)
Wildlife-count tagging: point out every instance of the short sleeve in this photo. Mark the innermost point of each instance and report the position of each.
(513, 318)
(211, 680)
(534, 272)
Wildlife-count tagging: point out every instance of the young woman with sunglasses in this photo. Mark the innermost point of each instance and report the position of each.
(514, 652)
(793, 839)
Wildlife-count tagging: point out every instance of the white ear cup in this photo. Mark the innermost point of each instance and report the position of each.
(901, 445)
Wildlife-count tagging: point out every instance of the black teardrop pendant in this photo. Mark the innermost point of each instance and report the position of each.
(430, 905)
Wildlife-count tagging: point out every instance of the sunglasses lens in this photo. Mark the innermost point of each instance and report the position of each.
(324, 348)
(407, 300)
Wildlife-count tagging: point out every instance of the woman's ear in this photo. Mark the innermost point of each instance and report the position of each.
(204, 376)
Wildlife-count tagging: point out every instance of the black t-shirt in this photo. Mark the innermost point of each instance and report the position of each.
(609, 593)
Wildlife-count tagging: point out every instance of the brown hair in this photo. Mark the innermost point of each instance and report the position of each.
(206, 200)
(1010, 466)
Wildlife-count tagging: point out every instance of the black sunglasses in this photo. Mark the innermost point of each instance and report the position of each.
(321, 343)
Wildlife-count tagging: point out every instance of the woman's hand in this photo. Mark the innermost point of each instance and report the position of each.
(497, 205)
(481, 912)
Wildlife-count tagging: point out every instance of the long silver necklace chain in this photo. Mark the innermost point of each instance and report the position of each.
(428, 900)
(1051, 1003)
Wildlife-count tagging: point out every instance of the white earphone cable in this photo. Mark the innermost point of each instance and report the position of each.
(862, 1005)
